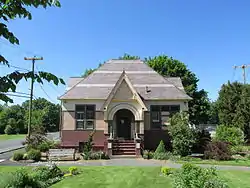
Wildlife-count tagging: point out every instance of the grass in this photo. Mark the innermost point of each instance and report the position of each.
(113, 177)
(130, 177)
(11, 137)
(239, 162)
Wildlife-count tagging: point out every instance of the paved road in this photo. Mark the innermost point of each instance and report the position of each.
(10, 145)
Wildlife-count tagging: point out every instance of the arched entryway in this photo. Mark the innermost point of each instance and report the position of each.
(124, 120)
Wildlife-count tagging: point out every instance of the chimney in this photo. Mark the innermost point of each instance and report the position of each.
(147, 90)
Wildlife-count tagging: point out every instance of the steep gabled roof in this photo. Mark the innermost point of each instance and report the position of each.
(100, 83)
(122, 78)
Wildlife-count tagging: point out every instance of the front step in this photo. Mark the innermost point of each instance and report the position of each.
(124, 147)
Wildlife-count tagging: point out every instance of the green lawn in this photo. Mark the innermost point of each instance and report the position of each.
(131, 177)
(11, 137)
(239, 162)
(117, 177)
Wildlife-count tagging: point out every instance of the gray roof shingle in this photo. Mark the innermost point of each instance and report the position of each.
(99, 84)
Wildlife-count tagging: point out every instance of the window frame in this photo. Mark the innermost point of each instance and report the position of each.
(158, 124)
(84, 119)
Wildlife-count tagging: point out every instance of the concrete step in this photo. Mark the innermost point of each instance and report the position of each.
(123, 153)
(123, 156)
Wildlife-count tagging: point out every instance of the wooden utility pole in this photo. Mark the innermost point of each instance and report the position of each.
(243, 67)
(33, 59)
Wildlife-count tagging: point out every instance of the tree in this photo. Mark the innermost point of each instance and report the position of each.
(213, 113)
(45, 114)
(10, 10)
(11, 127)
(125, 57)
(183, 136)
(129, 57)
(227, 102)
(169, 67)
(15, 112)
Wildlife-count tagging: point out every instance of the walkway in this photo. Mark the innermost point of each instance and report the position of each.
(137, 162)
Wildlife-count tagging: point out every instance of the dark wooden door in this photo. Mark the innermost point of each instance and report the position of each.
(124, 127)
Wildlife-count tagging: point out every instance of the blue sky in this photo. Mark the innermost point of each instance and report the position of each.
(209, 36)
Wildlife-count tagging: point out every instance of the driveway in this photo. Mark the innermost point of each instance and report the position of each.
(9, 145)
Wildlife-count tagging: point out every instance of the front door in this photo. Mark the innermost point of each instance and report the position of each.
(124, 128)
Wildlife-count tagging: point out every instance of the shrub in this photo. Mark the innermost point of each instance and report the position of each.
(239, 149)
(17, 156)
(95, 155)
(11, 127)
(182, 134)
(148, 154)
(160, 148)
(73, 170)
(203, 138)
(35, 140)
(217, 150)
(89, 144)
(21, 178)
(162, 156)
(44, 146)
(197, 177)
(45, 173)
(166, 171)
(233, 135)
(34, 155)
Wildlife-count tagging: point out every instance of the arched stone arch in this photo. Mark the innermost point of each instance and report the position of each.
(136, 113)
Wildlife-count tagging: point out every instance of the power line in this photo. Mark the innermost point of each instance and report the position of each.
(243, 67)
(45, 92)
(15, 95)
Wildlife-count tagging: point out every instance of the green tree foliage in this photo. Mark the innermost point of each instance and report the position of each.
(11, 127)
(129, 57)
(232, 135)
(233, 106)
(125, 57)
(10, 10)
(161, 148)
(46, 117)
(169, 67)
(15, 112)
(213, 113)
(183, 136)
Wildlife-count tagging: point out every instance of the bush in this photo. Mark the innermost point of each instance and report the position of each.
(148, 154)
(203, 138)
(19, 179)
(34, 155)
(197, 177)
(73, 170)
(35, 140)
(89, 144)
(11, 127)
(182, 134)
(95, 155)
(217, 150)
(162, 156)
(161, 148)
(232, 135)
(239, 149)
(166, 171)
(45, 173)
(17, 156)
(44, 146)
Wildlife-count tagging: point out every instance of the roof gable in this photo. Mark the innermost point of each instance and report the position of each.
(128, 86)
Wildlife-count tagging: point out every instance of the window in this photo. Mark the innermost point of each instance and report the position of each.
(85, 117)
(160, 114)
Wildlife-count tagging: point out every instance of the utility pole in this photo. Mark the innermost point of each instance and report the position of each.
(33, 59)
(243, 67)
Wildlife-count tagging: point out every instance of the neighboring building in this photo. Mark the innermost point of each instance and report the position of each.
(126, 102)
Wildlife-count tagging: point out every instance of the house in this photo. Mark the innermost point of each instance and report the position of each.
(126, 102)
